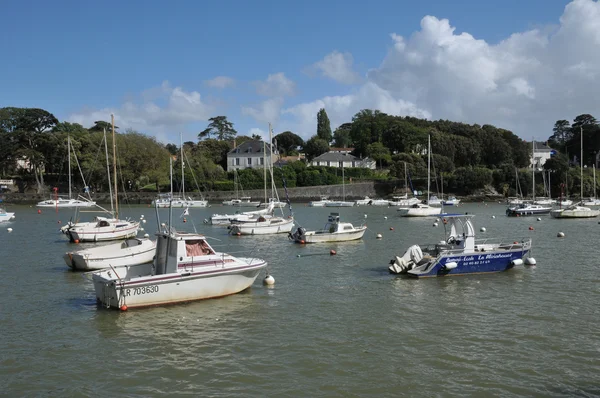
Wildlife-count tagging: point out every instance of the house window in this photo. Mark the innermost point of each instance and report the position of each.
(341, 164)
(328, 163)
(262, 161)
(237, 161)
(249, 161)
(353, 164)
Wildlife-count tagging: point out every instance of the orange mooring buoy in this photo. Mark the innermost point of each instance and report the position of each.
(39, 211)
(531, 228)
(332, 252)
(123, 307)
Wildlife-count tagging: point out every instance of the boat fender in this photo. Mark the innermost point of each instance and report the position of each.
(450, 265)
(530, 261)
(516, 262)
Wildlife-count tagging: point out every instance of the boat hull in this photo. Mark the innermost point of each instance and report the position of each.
(316, 237)
(100, 234)
(181, 287)
(527, 212)
(263, 228)
(114, 255)
(7, 216)
(65, 205)
(472, 263)
(419, 212)
(566, 213)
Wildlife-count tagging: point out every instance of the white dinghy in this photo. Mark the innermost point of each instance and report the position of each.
(128, 252)
(334, 231)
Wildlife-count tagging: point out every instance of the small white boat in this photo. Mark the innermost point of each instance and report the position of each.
(403, 201)
(334, 231)
(227, 219)
(263, 226)
(245, 201)
(65, 203)
(544, 201)
(4, 216)
(319, 203)
(419, 210)
(371, 202)
(451, 201)
(129, 252)
(434, 201)
(102, 229)
(592, 202)
(339, 203)
(575, 211)
(185, 268)
(527, 209)
(564, 202)
(276, 203)
(164, 201)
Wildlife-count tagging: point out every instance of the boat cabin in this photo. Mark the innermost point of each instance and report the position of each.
(334, 225)
(179, 249)
(460, 233)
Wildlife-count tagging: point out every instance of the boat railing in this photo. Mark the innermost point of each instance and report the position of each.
(481, 245)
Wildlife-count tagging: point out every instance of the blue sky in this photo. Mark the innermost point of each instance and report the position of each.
(153, 63)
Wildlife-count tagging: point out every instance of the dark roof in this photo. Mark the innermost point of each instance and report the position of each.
(335, 157)
(540, 146)
(253, 146)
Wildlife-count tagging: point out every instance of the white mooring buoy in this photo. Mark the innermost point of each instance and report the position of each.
(365, 216)
(385, 217)
(482, 229)
(560, 235)
(539, 219)
(378, 236)
(435, 224)
(269, 280)
(146, 236)
(9, 229)
(493, 216)
(530, 261)
(143, 221)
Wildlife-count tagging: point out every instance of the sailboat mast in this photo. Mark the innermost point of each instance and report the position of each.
(69, 154)
(428, 164)
(112, 207)
(112, 122)
(265, 167)
(405, 181)
(182, 167)
(581, 166)
(533, 169)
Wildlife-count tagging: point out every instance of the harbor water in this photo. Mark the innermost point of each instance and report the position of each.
(332, 325)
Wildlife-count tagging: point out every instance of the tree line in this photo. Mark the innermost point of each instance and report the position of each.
(465, 158)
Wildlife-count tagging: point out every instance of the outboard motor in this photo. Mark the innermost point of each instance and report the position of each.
(408, 261)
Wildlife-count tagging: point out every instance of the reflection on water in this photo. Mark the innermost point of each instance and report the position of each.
(331, 325)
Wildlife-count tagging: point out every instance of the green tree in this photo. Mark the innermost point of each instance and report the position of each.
(341, 136)
(379, 153)
(288, 142)
(99, 126)
(315, 146)
(215, 150)
(561, 133)
(323, 126)
(220, 127)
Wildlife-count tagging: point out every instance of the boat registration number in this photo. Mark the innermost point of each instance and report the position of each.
(136, 291)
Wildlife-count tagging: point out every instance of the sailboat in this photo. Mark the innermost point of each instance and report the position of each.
(421, 209)
(593, 201)
(243, 201)
(105, 228)
(404, 200)
(343, 202)
(529, 209)
(577, 210)
(66, 202)
(168, 200)
(265, 225)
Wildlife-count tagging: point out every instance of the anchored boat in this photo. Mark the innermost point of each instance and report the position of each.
(459, 253)
(334, 231)
(129, 252)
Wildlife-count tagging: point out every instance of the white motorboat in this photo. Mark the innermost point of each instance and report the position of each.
(245, 201)
(459, 253)
(4, 216)
(62, 202)
(185, 268)
(527, 209)
(434, 201)
(451, 201)
(403, 201)
(334, 231)
(419, 210)
(575, 211)
(339, 203)
(263, 226)
(227, 219)
(319, 203)
(164, 201)
(544, 201)
(102, 229)
(362, 202)
(592, 202)
(276, 203)
(371, 202)
(128, 252)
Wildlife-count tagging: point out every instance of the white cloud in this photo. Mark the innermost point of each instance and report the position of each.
(338, 66)
(220, 82)
(523, 83)
(260, 132)
(276, 85)
(340, 109)
(266, 111)
(157, 111)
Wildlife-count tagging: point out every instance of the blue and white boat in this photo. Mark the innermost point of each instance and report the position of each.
(459, 253)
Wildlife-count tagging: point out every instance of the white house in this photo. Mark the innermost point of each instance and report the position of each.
(250, 155)
(541, 153)
(340, 157)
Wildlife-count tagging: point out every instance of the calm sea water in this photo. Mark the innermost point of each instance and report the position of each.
(331, 325)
